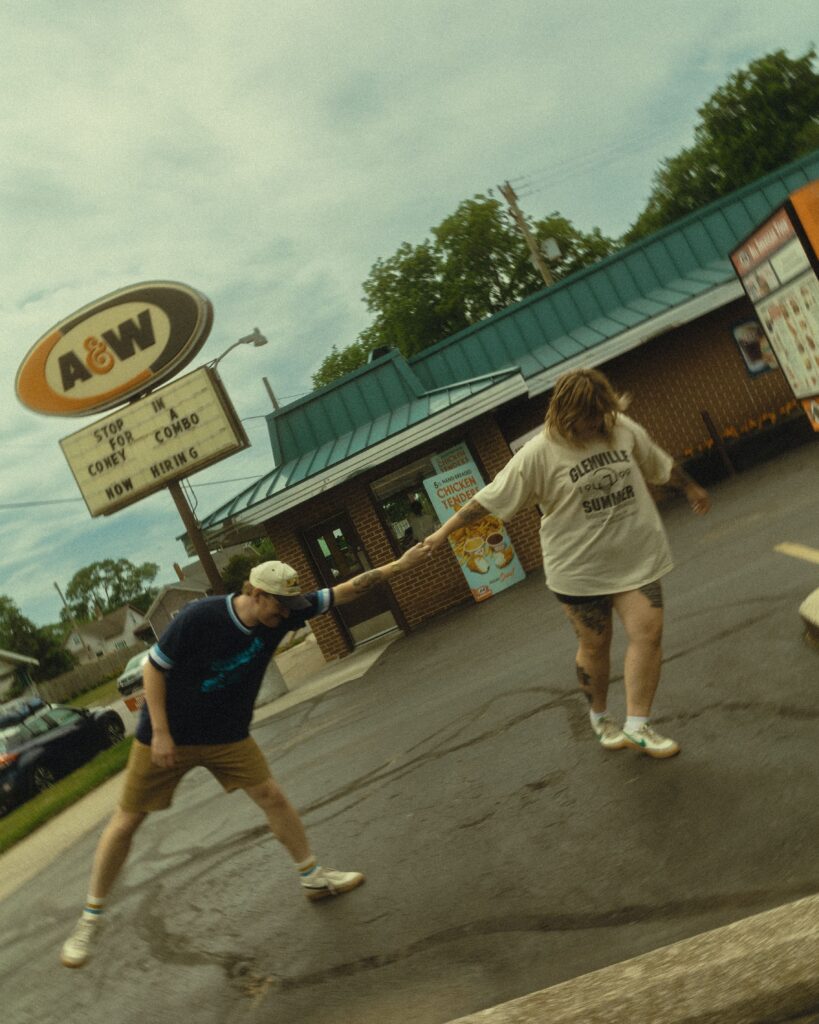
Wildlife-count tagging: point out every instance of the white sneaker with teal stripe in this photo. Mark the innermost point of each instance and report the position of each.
(609, 735)
(649, 741)
(323, 882)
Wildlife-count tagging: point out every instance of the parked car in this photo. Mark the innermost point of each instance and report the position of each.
(40, 743)
(130, 679)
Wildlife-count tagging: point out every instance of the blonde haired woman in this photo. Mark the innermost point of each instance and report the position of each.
(604, 546)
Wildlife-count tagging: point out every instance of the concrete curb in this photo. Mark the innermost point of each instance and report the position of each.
(809, 612)
(760, 969)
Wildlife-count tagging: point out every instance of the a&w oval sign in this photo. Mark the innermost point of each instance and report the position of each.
(121, 345)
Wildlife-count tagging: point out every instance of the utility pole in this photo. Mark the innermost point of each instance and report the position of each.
(270, 394)
(73, 621)
(508, 194)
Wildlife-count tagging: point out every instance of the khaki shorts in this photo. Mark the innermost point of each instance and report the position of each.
(149, 787)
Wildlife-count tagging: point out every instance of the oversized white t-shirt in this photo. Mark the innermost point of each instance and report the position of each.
(600, 531)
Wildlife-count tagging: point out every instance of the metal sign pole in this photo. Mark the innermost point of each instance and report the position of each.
(195, 534)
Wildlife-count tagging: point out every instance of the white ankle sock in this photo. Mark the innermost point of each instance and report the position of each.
(595, 716)
(635, 722)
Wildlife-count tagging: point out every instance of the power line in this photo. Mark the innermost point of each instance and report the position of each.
(64, 501)
(586, 162)
(34, 504)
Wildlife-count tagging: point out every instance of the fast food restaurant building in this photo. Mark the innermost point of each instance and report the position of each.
(662, 318)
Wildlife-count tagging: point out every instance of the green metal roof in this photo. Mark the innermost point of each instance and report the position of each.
(623, 293)
(361, 399)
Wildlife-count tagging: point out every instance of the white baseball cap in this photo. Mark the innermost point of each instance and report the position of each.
(280, 580)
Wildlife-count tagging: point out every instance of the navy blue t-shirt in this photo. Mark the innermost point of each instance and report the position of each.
(214, 665)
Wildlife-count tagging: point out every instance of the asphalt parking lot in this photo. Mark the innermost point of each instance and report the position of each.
(505, 850)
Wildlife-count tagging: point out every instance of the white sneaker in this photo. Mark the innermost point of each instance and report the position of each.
(650, 742)
(324, 882)
(77, 947)
(609, 735)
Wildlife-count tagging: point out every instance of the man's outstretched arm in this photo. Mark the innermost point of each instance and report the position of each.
(348, 591)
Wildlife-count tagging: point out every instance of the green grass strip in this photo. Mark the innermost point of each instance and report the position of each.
(35, 812)
(104, 694)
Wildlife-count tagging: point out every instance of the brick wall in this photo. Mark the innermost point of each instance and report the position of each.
(694, 368)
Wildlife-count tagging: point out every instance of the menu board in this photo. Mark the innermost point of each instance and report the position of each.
(776, 271)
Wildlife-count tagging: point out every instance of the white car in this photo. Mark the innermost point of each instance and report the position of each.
(130, 679)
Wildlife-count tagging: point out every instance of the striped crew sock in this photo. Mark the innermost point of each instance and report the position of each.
(307, 867)
(94, 907)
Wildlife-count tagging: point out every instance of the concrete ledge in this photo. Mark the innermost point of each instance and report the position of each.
(809, 611)
(760, 969)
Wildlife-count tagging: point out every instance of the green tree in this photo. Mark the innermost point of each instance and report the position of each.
(339, 362)
(764, 116)
(238, 568)
(19, 635)
(404, 293)
(475, 264)
(104, 586)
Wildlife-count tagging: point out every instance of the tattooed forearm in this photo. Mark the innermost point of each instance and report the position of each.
(367, 580)
(472, 512)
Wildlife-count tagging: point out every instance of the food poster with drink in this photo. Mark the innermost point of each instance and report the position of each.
(483, 549)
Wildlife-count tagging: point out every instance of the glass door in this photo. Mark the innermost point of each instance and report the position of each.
(339, 555)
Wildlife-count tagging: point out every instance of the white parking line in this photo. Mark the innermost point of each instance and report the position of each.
(798, 551)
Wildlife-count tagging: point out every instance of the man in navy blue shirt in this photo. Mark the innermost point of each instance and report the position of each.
(201, 683)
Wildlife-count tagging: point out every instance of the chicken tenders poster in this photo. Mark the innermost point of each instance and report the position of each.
(483, 549)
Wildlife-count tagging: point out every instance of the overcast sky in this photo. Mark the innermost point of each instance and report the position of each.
(268, 153)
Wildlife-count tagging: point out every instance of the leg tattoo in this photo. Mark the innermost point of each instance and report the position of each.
(594, 615)
(584, 682)
(654, 593)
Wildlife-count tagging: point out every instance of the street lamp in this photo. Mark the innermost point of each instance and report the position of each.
(256, 338)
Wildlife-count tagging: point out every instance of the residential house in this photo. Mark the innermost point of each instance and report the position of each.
(14, 668)
(113, 632)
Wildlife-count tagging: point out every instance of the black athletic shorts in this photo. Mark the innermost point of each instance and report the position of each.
(586, 599)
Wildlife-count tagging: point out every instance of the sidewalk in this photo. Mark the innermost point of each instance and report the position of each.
(309, 674)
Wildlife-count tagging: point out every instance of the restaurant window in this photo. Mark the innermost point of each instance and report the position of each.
(404, 503)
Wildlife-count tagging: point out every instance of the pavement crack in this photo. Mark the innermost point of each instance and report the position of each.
(385, 774)
(545, 924)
